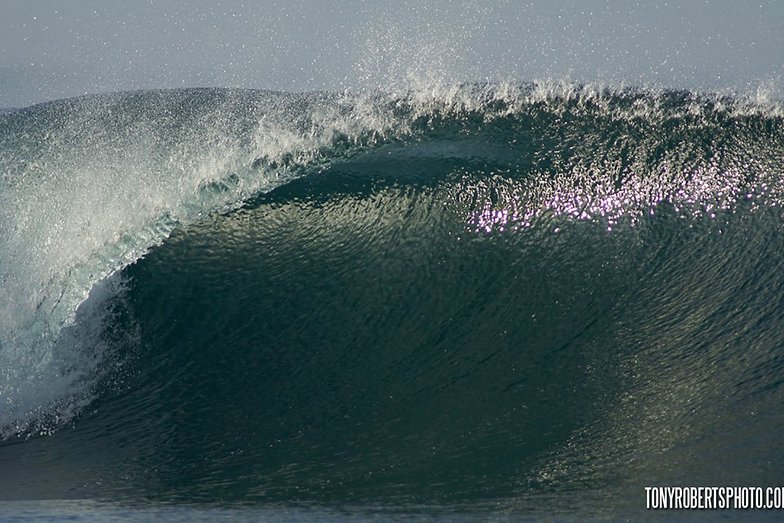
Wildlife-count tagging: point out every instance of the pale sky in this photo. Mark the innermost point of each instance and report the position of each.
(55, 49)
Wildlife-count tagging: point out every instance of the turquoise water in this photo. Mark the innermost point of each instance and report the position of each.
(485, 302)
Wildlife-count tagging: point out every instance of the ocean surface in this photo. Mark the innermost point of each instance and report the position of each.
(464, 303)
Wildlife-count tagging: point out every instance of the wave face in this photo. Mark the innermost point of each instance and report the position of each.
(502, 295)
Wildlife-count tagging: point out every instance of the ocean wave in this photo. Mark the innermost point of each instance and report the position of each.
(447, 257)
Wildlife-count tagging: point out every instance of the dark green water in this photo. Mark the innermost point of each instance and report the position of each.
(519, 306)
